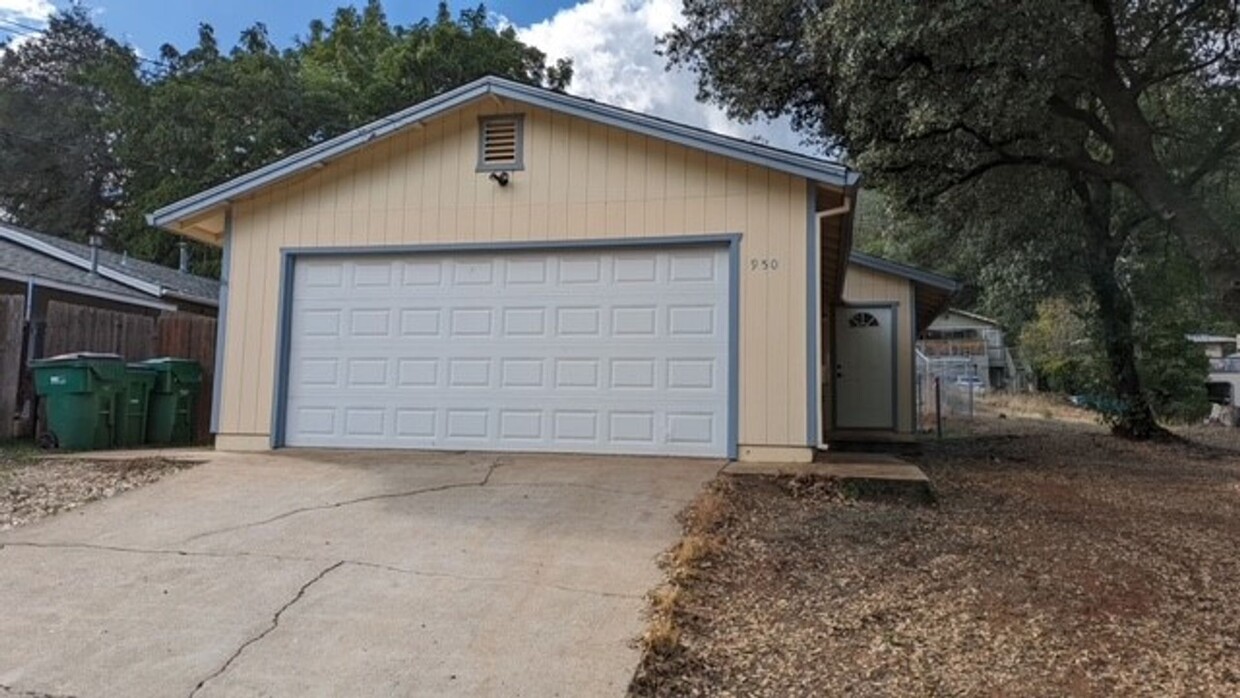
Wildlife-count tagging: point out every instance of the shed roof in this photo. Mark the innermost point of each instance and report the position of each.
(933, 291)
(816, 169)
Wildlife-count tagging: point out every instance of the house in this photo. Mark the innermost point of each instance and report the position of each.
(1215, 346)
(1223, 380)
(58, 296)
(504, 267)
(961, 343)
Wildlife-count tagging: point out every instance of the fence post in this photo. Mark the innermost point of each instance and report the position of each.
(938, 406)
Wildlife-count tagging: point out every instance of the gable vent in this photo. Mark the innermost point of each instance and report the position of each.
(500, 143)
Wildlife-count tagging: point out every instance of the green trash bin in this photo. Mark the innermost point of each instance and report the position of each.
(81, 392)
(133, 403)
(171, 416)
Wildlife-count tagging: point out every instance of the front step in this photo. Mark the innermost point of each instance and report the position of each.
(869, 475)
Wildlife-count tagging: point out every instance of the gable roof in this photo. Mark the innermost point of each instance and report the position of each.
(818, 170)
(973, 316)
(134, 275)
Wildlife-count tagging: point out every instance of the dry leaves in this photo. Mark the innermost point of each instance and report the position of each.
(1057, 561)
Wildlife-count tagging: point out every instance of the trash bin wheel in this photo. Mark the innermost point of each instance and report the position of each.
(48, 441)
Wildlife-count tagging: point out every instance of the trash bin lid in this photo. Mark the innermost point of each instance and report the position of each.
(83, 356)
(185, 370)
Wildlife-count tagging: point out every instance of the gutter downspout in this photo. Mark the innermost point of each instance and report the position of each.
(817, 385)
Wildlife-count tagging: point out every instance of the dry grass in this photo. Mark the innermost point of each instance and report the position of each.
(1033, 405)
(701, 521)
(1057, 561)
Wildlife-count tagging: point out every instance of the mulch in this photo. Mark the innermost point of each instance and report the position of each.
(1057, 560)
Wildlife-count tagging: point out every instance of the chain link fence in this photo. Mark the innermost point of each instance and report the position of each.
(948, 387)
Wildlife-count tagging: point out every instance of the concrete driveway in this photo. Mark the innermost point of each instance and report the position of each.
(344, 573)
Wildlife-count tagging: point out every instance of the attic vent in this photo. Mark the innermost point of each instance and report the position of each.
(500, 143)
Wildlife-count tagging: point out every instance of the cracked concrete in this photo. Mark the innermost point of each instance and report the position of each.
(327, 573)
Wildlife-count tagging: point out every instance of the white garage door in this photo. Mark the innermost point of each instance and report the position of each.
(580, 351)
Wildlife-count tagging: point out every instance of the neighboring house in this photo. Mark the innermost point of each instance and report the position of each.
(57, 296)
(1215, 346)
(1223, 381)
(960, 343)
(503, 267)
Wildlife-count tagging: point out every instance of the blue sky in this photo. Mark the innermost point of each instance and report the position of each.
(148, 24)
(611, 42)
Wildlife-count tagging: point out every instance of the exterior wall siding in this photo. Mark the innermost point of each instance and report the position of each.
(863, 285)
(581, 181)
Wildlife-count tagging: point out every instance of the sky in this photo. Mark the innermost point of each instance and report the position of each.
(611, 42)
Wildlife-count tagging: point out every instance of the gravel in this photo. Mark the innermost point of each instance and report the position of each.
(1057, 561)
(32, 487)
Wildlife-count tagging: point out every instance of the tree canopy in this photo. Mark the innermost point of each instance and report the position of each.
(92, 136)
(929, 96)
(1080, 150)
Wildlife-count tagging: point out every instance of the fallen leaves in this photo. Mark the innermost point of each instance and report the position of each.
(1058, 561)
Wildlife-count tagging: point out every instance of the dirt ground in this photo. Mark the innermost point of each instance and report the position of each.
(1056, 561)
(33, 485)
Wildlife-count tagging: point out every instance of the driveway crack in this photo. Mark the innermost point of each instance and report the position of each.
(498, 463)
(12, 691)
(275, 623)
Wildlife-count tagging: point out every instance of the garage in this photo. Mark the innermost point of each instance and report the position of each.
(506, 267)
(622, 349)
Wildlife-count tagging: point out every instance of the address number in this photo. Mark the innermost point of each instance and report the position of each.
(763, 264)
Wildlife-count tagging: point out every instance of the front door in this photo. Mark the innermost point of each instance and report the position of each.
(865, 367)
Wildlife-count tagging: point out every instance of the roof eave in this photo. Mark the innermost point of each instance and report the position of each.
(912, 273)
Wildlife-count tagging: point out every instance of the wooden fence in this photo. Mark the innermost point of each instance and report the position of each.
(12, 317)
(75, 328)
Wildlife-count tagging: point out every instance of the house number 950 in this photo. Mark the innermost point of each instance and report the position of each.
(763, 264)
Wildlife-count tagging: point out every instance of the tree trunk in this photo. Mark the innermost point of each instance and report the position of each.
(1116, 313)
(1136, 419)
(1215, 251)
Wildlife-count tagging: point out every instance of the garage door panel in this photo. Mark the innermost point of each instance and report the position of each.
(668, 377)
(622, 352)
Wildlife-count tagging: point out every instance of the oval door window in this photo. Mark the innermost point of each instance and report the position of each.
(862, 320)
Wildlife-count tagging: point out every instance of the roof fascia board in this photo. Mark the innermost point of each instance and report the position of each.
(86, 291)
(799, 165)
(175, 295)
(903, 270)
(80, 262)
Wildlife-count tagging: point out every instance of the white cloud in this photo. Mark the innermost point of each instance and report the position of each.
(28, 13)
(612, 44)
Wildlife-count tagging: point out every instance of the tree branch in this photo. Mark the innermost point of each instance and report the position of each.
(1060, 106)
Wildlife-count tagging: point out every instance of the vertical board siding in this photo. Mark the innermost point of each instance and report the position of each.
(862, 285)
(581, 181)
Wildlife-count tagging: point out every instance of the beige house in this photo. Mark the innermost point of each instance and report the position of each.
(504, 267)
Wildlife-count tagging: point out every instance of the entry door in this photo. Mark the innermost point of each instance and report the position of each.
(616, 351)
(865, 368)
